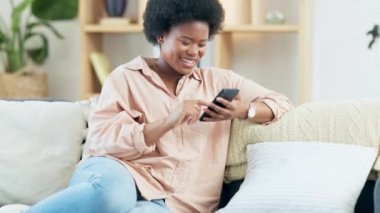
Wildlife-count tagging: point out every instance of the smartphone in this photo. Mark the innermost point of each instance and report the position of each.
(227, 93)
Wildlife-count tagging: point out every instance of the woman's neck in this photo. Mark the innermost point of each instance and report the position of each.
(168, 76)
(164, 70)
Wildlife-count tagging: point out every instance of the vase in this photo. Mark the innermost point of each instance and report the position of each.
(23, 85)
(115, 8)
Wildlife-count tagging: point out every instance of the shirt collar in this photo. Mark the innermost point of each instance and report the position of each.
(139, 64)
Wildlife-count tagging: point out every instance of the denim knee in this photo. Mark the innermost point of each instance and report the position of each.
(113, 188)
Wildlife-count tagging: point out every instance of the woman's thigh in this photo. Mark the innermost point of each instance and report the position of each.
(109, 178)
(98, 185)
(156, 206)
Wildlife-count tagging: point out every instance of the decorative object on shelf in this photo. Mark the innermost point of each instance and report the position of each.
(101, 64)
(275, 17)
(237, 11)
(16, 40)
(115, 8)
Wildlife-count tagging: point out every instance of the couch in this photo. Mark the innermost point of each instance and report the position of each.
(322, 125)
(41, 142)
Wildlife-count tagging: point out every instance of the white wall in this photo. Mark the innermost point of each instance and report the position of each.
(343, 67)
(63, 64)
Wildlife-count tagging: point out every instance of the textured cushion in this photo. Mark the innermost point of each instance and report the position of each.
(40, 144)
(14, 208)
(350, 122)
(303, 177)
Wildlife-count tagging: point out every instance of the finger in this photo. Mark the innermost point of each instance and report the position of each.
(214, 114)
(225, 103)
(220, 110)
(202, 103)
(211, 119)
(238, 97)
(194, 112)
(190, 120)
(192, 107)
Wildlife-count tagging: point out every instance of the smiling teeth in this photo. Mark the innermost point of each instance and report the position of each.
(188, 61)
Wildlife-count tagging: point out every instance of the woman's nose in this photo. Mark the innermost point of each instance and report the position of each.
(192, 50)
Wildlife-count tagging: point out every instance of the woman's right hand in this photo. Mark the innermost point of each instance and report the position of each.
(187, 112)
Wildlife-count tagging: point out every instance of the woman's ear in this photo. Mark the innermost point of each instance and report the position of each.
(160, 39)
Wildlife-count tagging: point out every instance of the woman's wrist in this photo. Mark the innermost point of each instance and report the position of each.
(244, 113)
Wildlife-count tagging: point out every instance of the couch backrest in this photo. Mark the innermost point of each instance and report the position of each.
(349, 122)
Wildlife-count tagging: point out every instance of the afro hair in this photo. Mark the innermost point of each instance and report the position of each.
(161, 15)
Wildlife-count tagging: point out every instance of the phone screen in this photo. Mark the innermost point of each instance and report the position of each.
(227, 93)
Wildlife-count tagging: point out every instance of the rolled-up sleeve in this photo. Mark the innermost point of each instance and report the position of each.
(277, 102)
(113, 126)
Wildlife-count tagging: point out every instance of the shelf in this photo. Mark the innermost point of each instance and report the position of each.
(96, 28)
(261, 28)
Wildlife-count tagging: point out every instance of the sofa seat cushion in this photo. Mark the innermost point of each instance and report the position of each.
(40, 144)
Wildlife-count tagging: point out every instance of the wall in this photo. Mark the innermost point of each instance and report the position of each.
(343, 67)
(270, 59)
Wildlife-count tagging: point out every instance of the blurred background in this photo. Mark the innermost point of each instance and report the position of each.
(310, 50)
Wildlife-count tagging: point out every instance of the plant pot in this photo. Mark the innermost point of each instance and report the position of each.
(115, 8)
(23, 85)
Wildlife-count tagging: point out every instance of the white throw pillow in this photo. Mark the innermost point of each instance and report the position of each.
(40, 144)
(302, 177)
(14, 208)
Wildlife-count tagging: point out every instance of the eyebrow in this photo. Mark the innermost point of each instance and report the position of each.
(185, 37)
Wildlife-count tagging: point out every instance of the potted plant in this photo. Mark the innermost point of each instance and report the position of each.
(22, 43)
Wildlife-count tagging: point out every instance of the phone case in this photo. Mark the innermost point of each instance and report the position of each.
(227, 93)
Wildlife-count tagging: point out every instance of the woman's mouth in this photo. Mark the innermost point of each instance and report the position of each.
(189, 62)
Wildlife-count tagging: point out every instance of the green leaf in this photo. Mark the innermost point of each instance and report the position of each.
(32, 25)
(15, 59)
(39, 54)
(16, 14)
(3, 38)
(55, 9)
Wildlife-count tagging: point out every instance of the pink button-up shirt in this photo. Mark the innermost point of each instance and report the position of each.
(186, 165)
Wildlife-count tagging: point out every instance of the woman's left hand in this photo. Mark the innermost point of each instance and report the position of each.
(237, 108)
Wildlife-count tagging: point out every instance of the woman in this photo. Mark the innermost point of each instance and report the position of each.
(148, 150)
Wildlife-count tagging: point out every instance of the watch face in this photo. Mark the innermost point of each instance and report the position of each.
(251, 111)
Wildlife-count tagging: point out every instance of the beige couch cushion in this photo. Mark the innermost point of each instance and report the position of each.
(352, 122)
(40, 144)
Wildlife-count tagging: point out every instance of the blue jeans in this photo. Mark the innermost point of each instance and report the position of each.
(376, 196)
(101, 185)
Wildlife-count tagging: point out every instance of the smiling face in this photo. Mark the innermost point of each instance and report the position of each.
(182, 47)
